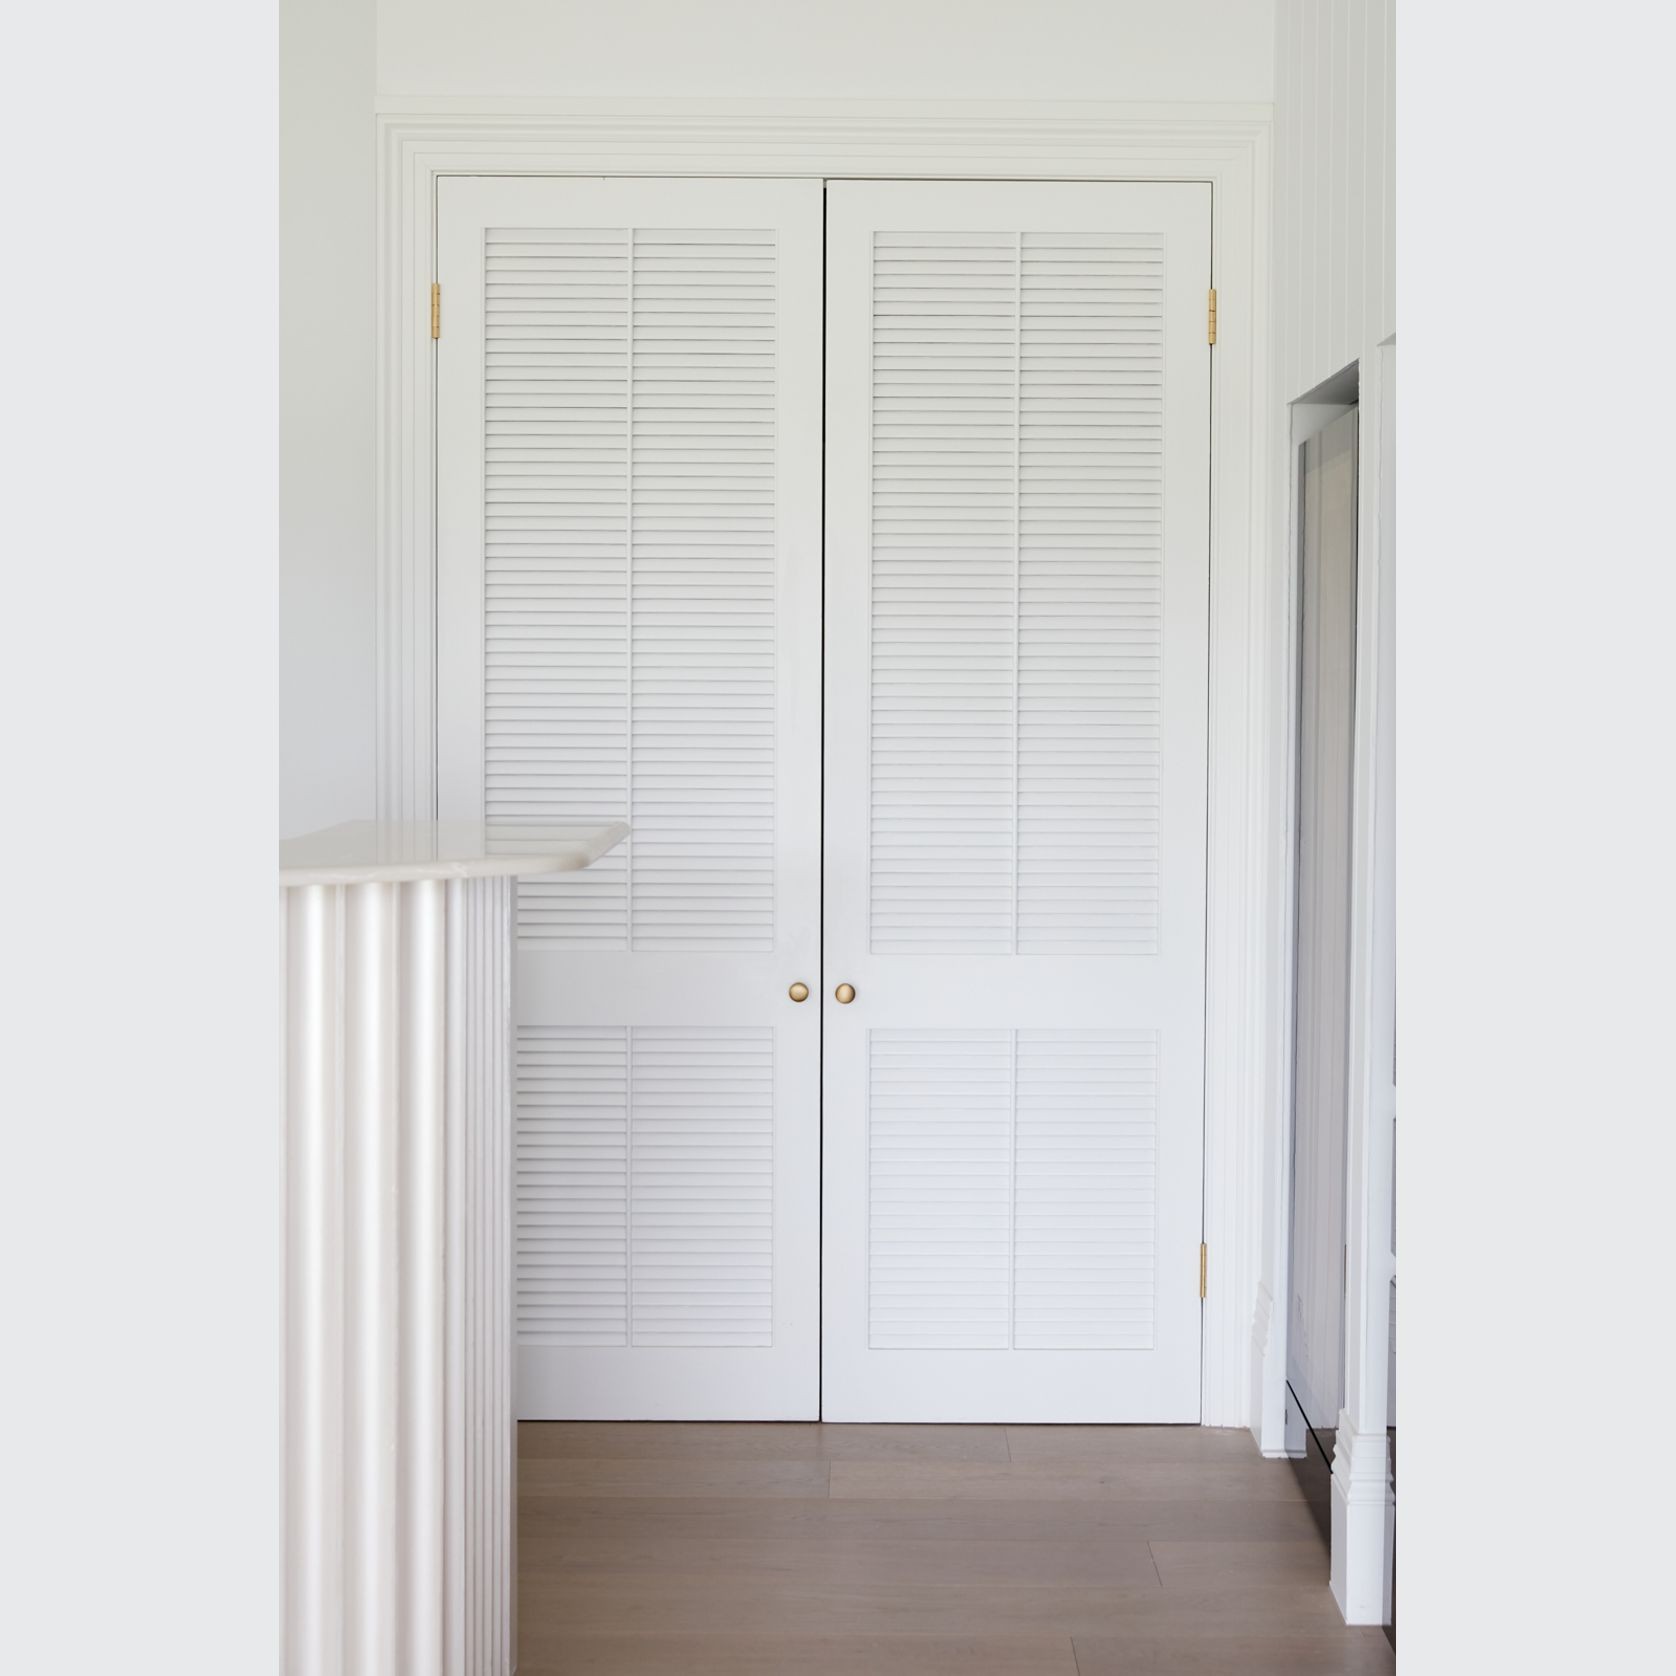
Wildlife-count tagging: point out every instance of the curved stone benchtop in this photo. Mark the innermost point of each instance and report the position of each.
(366, 852)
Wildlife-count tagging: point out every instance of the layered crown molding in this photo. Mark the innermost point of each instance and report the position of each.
(825, 113)
(960, 137)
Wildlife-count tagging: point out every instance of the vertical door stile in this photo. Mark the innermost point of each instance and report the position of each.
(1012, 1189)
(628, 782)
(1018, 563)
(628, 618)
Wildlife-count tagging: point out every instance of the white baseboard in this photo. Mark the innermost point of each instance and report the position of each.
(1268, 1377)
(1362, 1511)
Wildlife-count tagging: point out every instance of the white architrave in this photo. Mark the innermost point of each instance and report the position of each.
(1226, 145)
(1362, 1490)
(1297, 423)
(1362, 1502)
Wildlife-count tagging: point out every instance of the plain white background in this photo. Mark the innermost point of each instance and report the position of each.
(1536, 920)
(139, 1158)
(138, 1176)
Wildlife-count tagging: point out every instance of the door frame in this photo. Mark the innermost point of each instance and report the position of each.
(1229, 147)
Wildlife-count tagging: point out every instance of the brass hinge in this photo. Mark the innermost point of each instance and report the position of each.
(1210, 324)
(1204, 1263)
(436, 311)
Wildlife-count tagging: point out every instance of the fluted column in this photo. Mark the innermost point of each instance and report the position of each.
(399, 1438)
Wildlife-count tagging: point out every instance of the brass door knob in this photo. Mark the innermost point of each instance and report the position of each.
(799, 992)
(844, 994)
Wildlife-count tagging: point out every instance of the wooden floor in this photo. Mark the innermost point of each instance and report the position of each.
(807, 1550)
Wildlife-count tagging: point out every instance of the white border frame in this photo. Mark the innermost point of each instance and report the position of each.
(1228, 146)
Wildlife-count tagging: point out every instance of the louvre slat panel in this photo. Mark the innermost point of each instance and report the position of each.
(703, 1187)
(629, 531)
(1016, 593)
(702, 465)
(939, 1194)
(1011, 1189)
(1085, 1184)
(944, 468)
(1090, 593)
(556, 500)
(572, 1185)
(645, 1186)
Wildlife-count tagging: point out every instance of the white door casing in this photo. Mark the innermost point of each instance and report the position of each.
(628, 580)
(1327, 583)
(1225, 145)
(1016, 627)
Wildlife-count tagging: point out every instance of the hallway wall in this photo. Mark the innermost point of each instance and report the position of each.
(1334, 306)
(327, 649)
(865, 49)
(341, 59)
(1334, 187)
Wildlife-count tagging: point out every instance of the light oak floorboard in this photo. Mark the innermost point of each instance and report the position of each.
(1215, 1480)
(672, 1478)
(769, 1560)
(602, 1603)
(1348, 1652)
(1130, 1444)
(918, 1551)
(800, 1655)
(746, 1441)
(705, 1519)
(1217, 1564)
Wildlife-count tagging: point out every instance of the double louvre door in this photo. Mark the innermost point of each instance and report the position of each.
(973, 1192)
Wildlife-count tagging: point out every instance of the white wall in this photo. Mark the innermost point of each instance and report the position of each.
(1335, 178)
(326, 389)
(1147, 50)
(1334, 304)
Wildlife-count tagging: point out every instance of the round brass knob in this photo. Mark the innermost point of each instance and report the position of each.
(799, 992)
(844, 994)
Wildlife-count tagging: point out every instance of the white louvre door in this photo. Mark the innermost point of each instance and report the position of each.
(628, 503)
(1017, 577)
